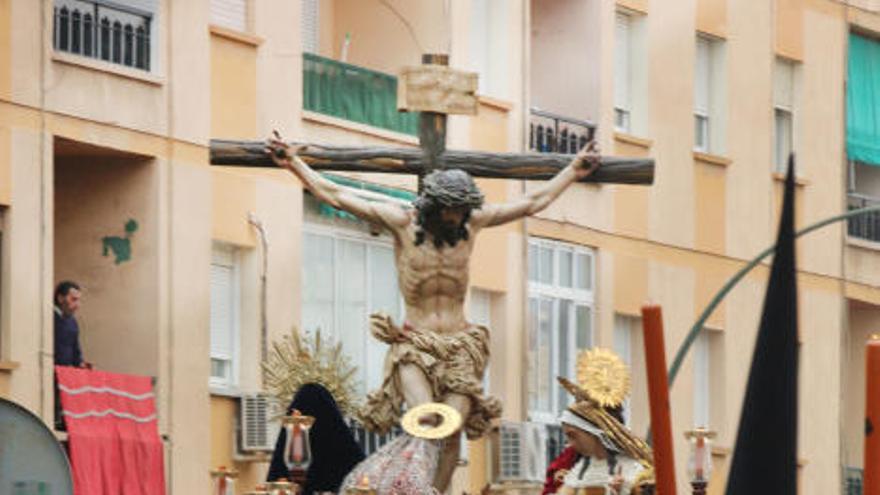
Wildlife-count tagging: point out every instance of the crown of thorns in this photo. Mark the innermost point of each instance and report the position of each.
(451, 188)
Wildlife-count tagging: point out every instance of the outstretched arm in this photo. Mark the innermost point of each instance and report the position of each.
(386, 214)
(583, 164)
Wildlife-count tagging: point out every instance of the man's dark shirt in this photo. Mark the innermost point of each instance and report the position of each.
(67, 351)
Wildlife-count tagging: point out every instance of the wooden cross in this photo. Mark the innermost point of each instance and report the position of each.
(436, 91)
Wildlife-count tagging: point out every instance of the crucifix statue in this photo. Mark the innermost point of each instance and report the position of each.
(435, 354)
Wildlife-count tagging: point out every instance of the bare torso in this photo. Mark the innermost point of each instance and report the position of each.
(433, 281)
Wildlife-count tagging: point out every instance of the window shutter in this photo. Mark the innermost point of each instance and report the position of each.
(702, 69)
(221, 311)
(622, 62)
(222, 302)
(480, 29)
(783, 84)
(480, 308)
(701, 380)
(310, 26)
(230, 14)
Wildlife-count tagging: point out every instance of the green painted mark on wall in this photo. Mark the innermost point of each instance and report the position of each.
(120, 246)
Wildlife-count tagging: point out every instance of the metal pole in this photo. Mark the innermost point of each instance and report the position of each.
(731, 283)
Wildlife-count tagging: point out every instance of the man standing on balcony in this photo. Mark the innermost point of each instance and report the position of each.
(435, 355)
(67, 349)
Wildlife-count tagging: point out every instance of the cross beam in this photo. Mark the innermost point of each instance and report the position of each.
(520, 166)
(435, 90)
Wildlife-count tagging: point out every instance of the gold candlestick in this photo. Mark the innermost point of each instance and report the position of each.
(297, 448)
(700, 463)
(223, 480)
(260, 489)
(282, 487)
(362, 488)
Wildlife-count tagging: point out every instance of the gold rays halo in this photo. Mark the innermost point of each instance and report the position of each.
(603, 375)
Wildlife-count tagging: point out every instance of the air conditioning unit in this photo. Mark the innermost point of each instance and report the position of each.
(254, 431)
(521, 452)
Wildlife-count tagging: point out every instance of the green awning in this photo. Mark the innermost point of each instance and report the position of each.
(329, 211)
(863, 100)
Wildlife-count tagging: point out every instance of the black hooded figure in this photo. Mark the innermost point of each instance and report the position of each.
(334, 450)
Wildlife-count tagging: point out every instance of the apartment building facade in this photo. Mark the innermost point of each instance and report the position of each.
(108, 108)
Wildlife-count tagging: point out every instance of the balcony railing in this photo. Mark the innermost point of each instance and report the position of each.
(863, 226)
(103, 30)
(552, 133)
(556, 442)
(354, 93)
(369, 441)
(852, 481)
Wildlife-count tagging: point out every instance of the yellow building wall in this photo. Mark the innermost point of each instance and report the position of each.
(712, 17)
(224, 413)
(711, 211)
(5, 48)
(789, 40)
(631, 203)
(374, 27)
(234, 196)
(5, 167)
(489, 133)
(635, 5)
(233, 89)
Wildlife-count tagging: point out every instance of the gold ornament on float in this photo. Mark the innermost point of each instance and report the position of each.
(450, 421)
(603, 376)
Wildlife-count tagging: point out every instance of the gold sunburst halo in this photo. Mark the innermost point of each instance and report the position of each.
(603, 376)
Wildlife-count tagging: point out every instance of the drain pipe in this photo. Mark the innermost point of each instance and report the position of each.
(255, 221)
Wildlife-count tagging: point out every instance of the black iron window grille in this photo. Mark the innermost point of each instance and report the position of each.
(865, 226)
(369, 441)
(853, 483)
(103, 30)
(552, 133)
(556, 442)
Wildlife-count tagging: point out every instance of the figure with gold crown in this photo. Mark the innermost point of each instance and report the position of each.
(604, 457)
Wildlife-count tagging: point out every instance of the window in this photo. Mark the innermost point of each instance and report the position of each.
(708, 356)
(2, 276)
(109, 31)
(623, 72)
(348, 275)
(232, 14)
(783, 113)
(310, 26)
(480, 313)
(488, 46)
(225, 311)
(708, 79)
(560, 320)
(701, 380)
(630, 73)
(624, 329)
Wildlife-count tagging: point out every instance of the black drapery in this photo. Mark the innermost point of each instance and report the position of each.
(334, 450)
(765, 457)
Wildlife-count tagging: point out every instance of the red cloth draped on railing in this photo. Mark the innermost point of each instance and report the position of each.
(112, 430)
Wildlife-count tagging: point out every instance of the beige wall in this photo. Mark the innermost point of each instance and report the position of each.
(5, 48)
(188, 299)
(374, 28)
(233, 89)
(224, 412)
(5, 167)
(675, 243)
(565, 34)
